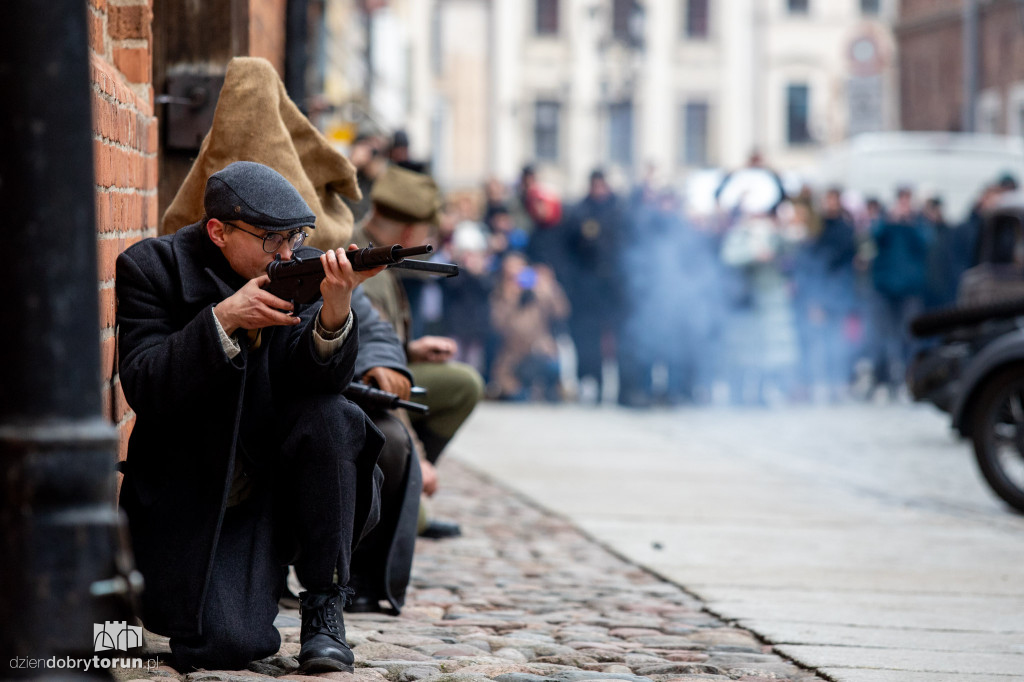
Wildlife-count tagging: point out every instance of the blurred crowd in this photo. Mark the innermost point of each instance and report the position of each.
(626, 296)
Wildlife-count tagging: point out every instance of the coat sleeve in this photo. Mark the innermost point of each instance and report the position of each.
(304, 371)
(378, 343)
(164, 366)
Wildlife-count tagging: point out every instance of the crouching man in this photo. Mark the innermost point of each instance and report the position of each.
(244, 456)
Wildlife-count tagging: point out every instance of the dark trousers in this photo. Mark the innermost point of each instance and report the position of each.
(302, 511)
(382, 562)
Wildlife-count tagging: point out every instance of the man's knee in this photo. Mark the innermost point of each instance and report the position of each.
(329, 424)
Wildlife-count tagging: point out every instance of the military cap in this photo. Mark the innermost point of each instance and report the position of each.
(258, 195)
(406, 196)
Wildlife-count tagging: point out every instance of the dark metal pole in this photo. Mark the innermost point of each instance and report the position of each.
(296, 55)
(59, 559)
(970, 66)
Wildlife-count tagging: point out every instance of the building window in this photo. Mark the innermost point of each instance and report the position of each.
(798, 106)
(547, 17)
(872, 7)
(693, 134)
(798, 6)
(546, 116)
(696, 19)
(620, 133)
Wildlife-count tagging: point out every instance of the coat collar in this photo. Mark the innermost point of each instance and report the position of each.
(203, 271)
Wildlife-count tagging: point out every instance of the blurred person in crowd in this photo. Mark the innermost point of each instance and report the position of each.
(824, 296)
(759, 331)
(496, 198)
(525, 302)
(592, 238)
(943, 272)
(539, 213)
(467, 315)
(899, 273)
(967, 236)
(505, 234)
(398, 151)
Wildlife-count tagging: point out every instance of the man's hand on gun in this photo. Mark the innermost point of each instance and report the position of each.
(252, 307)
(340, 279)
(389, 380)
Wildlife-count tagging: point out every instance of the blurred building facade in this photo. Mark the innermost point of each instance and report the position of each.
(962, 65)
(484, 86)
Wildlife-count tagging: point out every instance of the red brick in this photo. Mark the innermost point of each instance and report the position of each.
(152, 136)
(104, 212)
(121, 408)
(106, 404)
(101, 5)
(102, 169)
(152, 213)
(108, 307)
(152, 173)
(97, 34)
(131, 21)
(135, 63)
(107, 358)
(107, 252)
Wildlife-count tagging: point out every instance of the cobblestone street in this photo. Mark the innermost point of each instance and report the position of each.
(523, 596)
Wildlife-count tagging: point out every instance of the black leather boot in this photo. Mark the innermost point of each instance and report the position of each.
(323, 632)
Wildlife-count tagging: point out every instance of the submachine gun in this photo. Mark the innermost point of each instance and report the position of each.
(298, 280)
(370, 398)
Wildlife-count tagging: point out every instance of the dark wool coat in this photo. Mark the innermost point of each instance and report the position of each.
(188, 400)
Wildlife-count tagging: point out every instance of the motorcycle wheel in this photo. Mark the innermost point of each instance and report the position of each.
(998, 434)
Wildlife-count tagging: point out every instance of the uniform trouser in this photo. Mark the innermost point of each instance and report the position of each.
(453, 390)
(301, 511)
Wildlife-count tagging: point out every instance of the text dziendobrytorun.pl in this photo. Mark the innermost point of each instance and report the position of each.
(83, 664)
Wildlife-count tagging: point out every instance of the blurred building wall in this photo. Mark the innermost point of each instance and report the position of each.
(931, 37)
(485, 86)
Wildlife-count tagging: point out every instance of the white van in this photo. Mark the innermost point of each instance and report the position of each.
(954, 166)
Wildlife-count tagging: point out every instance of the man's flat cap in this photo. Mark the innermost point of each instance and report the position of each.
(258, 195)
(406, 196)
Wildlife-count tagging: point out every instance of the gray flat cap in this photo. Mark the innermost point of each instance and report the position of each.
(258, 195)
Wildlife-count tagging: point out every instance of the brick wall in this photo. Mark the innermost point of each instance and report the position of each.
(125, 157)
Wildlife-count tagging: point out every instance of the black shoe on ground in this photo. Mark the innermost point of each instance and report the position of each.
(438, 530)
(324, 648)
(364, 603)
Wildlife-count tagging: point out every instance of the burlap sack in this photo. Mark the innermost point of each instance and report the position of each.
(256, 121)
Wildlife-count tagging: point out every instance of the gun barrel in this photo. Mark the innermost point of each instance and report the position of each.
(375, 256)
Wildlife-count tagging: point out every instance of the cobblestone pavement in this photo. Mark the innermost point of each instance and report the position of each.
(523, 596)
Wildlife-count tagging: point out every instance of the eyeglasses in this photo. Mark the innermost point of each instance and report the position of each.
(272, 241)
